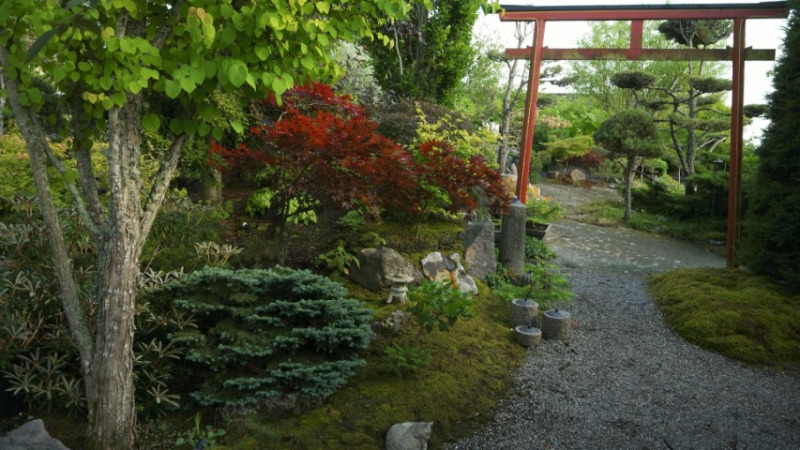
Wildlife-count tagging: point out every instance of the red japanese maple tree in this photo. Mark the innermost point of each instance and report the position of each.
(318, 146)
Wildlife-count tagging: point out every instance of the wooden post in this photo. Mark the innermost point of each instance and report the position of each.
(735, 175)
(526, 147)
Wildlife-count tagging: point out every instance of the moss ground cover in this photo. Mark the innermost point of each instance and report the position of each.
(732, 312)
(470, 370)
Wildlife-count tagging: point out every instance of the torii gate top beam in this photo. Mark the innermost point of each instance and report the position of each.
(637, 14)
(762, 10)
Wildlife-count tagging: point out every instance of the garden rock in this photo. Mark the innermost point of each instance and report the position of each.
(31, 436)
(409, 436)
(439, 268)
(378, 265)
(576, 175)
(479, 257)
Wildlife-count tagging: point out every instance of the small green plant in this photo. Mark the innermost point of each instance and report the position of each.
(215, 255)
(548, 286)
(438, 305)
(200, 437)
(536, 250)
(406, 358)
(372, 239)
(338, 259)
(353, 220)
(543, 211)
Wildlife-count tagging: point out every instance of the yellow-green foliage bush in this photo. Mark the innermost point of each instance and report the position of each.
(15, 167)
(466, 143)
(732, 312)
(16, 177)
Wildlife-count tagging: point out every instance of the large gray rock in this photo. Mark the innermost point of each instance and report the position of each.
(576, 175)
(436, 269)
(377, 265)
(409, 436)
(465, 282)
(30, 436)
(479, 255)
(439, 268)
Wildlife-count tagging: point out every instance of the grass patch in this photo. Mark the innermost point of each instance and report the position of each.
(609, 214)
(471, 369)
(732, 312)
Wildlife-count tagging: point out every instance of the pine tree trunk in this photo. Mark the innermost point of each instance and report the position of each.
(690, 188)
(630, 166)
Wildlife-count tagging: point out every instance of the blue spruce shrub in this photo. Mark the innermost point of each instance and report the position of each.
(264, 335)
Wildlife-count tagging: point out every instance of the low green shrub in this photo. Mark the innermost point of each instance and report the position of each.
(264, 335)
(536, 250)
(438, 305)
(405, 359)
(543, 211)
(180, 225)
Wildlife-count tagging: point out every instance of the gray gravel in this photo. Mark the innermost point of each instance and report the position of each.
(625, 381)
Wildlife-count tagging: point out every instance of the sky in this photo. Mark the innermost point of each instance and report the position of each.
(759, 33)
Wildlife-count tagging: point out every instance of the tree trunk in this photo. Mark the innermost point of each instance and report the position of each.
(630, 173)
(511, 96)
(109, 389)
(2, 105)
(690, 188)
(213, 188)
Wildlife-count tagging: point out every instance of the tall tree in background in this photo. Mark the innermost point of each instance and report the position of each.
(431, 51)
(514, 85)
(104, 57)
(478, 96)
(630, 135)
(770, 243)
(689, 103)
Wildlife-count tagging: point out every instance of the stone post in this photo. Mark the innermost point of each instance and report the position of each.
(512, 238)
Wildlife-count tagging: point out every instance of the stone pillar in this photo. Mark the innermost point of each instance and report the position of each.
(512, 238)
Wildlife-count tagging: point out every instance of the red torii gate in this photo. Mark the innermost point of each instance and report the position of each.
(738, 12)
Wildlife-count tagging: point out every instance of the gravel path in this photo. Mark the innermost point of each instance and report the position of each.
(624, 381)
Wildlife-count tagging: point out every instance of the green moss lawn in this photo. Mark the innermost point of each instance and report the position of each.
(732, 312)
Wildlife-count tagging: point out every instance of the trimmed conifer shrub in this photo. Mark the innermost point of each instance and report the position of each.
(770, 243)
(268, 334)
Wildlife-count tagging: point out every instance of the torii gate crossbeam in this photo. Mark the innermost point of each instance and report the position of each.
(738, 12)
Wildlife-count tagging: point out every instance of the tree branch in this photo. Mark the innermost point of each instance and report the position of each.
(83, 158)
(157, 192)
(164, 32)
(80, 205)
(721, 113)
(36, 143)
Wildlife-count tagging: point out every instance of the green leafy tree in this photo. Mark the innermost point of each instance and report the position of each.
(478, 96)
(772, 224)
(431, 51)
(105, 57)
(632, 135)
